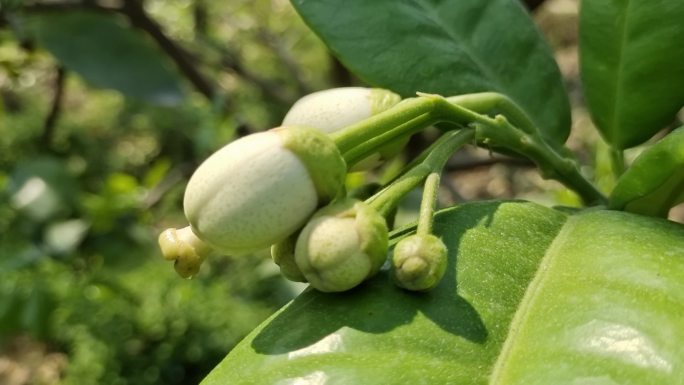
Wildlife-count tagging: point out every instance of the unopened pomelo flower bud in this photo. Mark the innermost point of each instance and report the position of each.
(259, 189)
(342, 245)
(419, 262)
(336, 108)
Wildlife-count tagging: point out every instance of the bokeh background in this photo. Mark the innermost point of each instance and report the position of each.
(106, 107)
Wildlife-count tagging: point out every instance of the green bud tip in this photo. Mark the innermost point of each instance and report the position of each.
(342, 245)
(184, 248)
(419, 262)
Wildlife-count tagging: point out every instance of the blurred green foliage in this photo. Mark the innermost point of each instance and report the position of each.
(89, 175)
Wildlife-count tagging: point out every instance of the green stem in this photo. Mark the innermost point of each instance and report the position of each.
(367, 129)
(492, 102)
(617, 162)
(372, 145)
(385, 200)
(427, 204)
(362, 139)
(499, 132)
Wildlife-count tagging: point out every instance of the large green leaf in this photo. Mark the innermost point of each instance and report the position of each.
(655, 181)
(531, 296)
(108, 54)
(632, 59)
(448, 48)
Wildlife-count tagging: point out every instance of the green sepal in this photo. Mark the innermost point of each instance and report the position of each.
(320, 157)
(655, 181)
(382, 99)
(283, 254)
(372, 230)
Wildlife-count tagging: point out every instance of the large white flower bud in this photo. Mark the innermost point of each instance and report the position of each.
(258, 190)
(336, 108)
(342, 245)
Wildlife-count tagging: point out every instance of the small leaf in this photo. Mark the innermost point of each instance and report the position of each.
(531, 296)
(447, 48)
(632, 56)
(654, 183)
(108, 54)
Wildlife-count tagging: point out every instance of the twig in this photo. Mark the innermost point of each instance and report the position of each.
(138, 17)
(288, 61)
(268, 87)
(200, 17)
(533, 4)
(476, 163)
(55, 108)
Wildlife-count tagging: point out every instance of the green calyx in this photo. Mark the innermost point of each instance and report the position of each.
(419, 262)
(320, 157)
(382, 99)
(342, 245)
(283, 254)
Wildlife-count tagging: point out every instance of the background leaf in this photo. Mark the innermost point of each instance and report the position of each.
(531, 297)
(655, 181)
(108, 54)
(631, 62)
(446, 47)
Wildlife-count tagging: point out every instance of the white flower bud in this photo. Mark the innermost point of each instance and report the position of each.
(419, 262)
(336, 108)
(342, 245)
(259, 189)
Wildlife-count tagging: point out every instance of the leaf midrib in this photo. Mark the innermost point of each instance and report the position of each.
(613, 126)
(430, 10)
(532, 293)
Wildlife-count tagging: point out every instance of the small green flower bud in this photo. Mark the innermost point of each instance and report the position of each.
(283, 254)
(336, 108)
(184, 248)
(342, 245)
(419, 262)
(259, 189)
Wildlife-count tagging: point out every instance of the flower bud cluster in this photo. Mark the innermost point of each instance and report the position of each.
(284, 189)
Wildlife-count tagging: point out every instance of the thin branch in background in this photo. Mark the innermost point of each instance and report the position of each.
(533, 4)
(172, 178)
(270, 88)
(276, 45)
(136, 15)
(487, 162)
(55, 107)
(200, 18)
(135, 12)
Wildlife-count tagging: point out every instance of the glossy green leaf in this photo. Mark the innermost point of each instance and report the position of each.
(531, 296)
(108, 54)
(654, 183)
(448, 48)
(631, 62)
